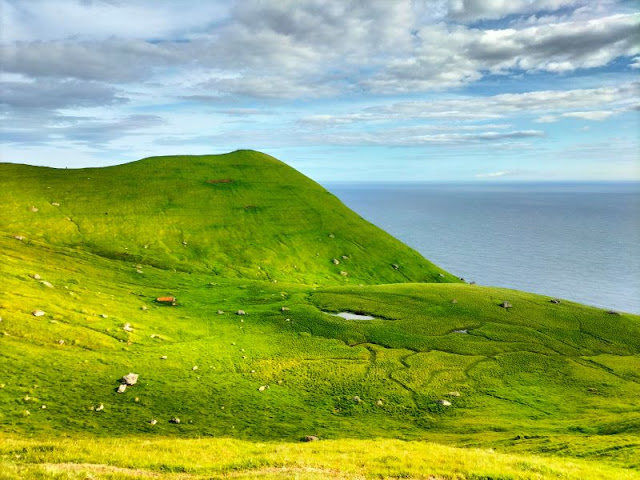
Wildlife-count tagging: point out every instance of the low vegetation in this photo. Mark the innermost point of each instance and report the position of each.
(443, 383)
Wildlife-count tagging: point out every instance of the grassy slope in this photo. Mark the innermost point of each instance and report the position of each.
(269, 223)
(537, 379)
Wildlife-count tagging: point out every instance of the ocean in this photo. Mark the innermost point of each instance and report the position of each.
(577, 241)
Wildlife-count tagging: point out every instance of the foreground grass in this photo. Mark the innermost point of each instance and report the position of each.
(136, 457)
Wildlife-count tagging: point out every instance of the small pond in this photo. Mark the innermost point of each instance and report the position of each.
(351, 316)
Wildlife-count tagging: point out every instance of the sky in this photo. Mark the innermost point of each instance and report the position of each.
(369, 90)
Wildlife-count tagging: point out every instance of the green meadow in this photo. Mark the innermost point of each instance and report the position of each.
(443, 382)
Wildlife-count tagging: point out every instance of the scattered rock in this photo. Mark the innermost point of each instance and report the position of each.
(284, 309)
(262, 388)
(379, 402)
(184, 243)
(472, 283)
(139, 271)
(60, 342)
(122, 387)
(163, 357)
(310, 438)
(37, 313)
(55, 204)
(130, 379)
(46, 284)
(43, 407)
(100, 408)
(441, 275)
(454, 394)
(26, 413)
(395, 266)
(253, 371)
(35, 276)
(280, 382)
(175, 420)
(461, 331)
(336, 261)
(240, 312)
(331, 235)
(33, 209)
(194, 368)
(19, 237)
(592, 389)
(153, 421)
(343, 273)
(444, 403)
(127, 327)
(555, 300)
(505, 304)
(220, 312)
(613, 312)
(356, 399)
(454, 301)
(104, 315)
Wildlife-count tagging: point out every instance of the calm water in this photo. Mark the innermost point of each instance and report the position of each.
(575, 241)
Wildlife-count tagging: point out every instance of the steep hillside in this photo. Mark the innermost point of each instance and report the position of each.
(552, 388)
(243, 214)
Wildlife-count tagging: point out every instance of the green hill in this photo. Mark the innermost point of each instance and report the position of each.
(240, 215)
(442, 382)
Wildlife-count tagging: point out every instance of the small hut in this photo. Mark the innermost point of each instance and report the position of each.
(167, 300)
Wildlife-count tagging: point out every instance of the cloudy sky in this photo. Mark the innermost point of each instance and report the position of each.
(455, 90)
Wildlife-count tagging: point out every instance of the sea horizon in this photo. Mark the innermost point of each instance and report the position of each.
(517, 234)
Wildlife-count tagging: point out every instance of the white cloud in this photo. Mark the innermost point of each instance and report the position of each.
(547, 119)
(585, 102)
(593, 115)
(307, 49)
(471, 10)
(100, 19)
(501, 173)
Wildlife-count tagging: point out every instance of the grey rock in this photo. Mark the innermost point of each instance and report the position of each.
(175, 420)
(505, 304)
(444, 403)
(37, 313)
(310, 438)
(130, 379)
(240, 312)
(122, 387)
